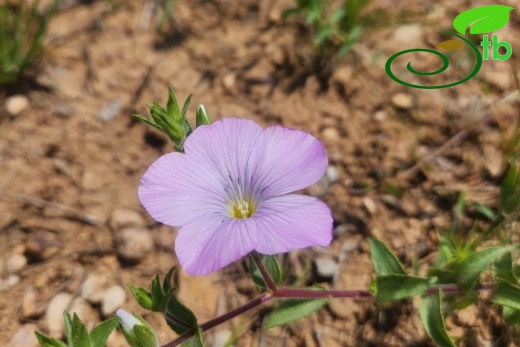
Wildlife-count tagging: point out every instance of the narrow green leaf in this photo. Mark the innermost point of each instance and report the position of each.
(503, 269)
(196, 341)
(167, 282)
(202, 117)
(186, 105)
(484, 210)
(172, 107)
(80, 336)
(146, 120)
(385, 262)
(430, 312)
(397, 287)
(47, 341)
(469, 270)
(142, 296)
(180, 318)
(483, 19)
(272, 267)
(509, 189)
(144, 336)
(102, 331)
(507, 294)
(322, 35)
(68, 327)
(291, 310)
(157, 295)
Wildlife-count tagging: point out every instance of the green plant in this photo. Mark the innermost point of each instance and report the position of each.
(335, 30)
(22, 33)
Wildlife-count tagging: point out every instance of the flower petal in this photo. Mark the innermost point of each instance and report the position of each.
(292, 222)
(284, 160)
(224, 146)
(177, 188)
(208, 243)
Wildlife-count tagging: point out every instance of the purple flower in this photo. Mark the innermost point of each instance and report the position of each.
(229, 193)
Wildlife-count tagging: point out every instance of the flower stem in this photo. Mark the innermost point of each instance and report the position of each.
(267, 278)
(221, 319)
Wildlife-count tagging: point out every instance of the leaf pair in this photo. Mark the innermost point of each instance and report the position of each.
(77, 335)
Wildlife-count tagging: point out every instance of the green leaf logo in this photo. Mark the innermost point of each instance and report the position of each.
(482, 19)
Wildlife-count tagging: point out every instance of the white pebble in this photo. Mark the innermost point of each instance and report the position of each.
(16, 262)
(113, 299)
(25, 337)
(403, 101)
(133, 244)
(92, 288)
(332, 174)
(125, 217)
(15, 104)
(54, 314)
(326, 267)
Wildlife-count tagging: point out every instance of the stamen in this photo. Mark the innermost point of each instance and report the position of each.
(242, 209)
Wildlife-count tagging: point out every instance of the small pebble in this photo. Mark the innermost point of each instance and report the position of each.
(16, 263)
(229, 83)
(332, 174)
(408, 35)
(110, 110)
(5, 284)
(380, 115)
(15, 104)
(221, 338)
(85, 312)
(343, 75)
(341, 230)
(370, 205)
(124, 217)
(330, 134)
(113, 299)
(326, 267)
(54, 314)
(133, 244)
(402, 101)
(92, 288)
(65, 111)
(31, 308)
(25, 336)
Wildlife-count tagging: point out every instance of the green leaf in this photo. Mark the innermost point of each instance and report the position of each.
(196, 341)
(484, 210)
(322, 35)
(507, 294)
(142, 296)
(202, 117)
(172, 107)
(158, 300)
(291, 310)
(469, 270)
(147, 121)
(430, 312)
(503, 269)
(511, 315)
(186, 105)
(80, 336)
(180, 318)
(272, 267)
(167, 282)
(397, 287)
(483, 19)
(47, 341)
(102, 331)
(510, 191)
(144, 336)
(68, 326)
(385, 262)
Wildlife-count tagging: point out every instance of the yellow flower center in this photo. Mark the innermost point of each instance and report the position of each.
(241, 209)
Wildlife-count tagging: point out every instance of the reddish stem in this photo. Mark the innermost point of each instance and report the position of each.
(267, 278)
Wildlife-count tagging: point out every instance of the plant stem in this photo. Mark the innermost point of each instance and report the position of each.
(267, 278)
(221, 319)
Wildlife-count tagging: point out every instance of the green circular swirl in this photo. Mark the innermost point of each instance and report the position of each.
(445, 64)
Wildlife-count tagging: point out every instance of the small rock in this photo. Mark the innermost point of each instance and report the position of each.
(16, 263)
(31, 308)
(133, 244)
(350, 244)
(124, 217)
(65, 111)
(15, 104)
(221, 337)
(331, 134)
(93, 287)
(370, 205)
(408, 35)
(110, 110)
(380, 115)
(326, 267)
(54, 314)
(332, 174)
(113, 299)
(275, 15)
(85, 312)
(402, 101)
(10, 281)
(343, 229)
(343, 75)
(229, 83)
(25, 336)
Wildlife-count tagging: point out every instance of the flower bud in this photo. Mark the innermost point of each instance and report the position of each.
(137, 332)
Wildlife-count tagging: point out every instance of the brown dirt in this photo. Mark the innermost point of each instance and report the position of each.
(64, 171)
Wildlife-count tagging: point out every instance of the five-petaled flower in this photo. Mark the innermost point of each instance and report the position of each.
(230, 193)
